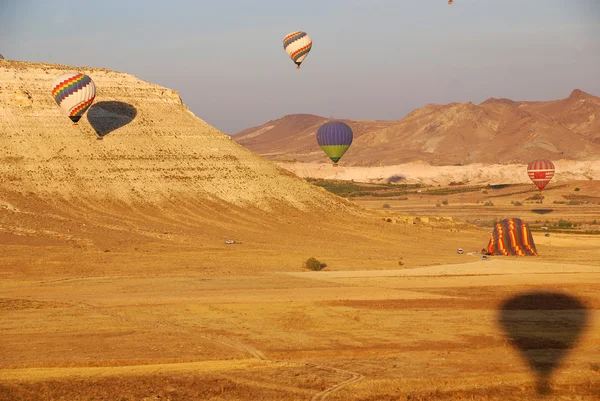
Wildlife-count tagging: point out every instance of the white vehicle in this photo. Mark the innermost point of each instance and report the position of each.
(230, 241)
(459, 251)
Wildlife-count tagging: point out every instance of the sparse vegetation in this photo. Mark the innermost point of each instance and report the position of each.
(485, 191)
(517, 203)
(573, 203)
(313, 264)
(488, 203)
(577, 189)
(537, 196)
(352, 189)
(445, 202)
(386, 206)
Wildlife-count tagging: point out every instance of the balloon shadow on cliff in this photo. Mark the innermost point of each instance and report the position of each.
(106, 117)
(543, 327)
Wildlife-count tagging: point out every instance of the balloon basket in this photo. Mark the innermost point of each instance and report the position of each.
(335, 164)
(298, 67)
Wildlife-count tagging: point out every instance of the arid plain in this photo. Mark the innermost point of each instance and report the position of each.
(116, 283)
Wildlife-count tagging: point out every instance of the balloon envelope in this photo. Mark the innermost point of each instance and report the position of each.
(74, 93)
(540, 172)
(297, 45)
(334, 137)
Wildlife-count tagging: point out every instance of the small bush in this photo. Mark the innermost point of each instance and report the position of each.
(445, 202)
(564, 224)
(484, 191)
(573, 202)
(386, 206)
(488, 203)
(438, 205)
(517, 203)
(577, 189)
(313, 264)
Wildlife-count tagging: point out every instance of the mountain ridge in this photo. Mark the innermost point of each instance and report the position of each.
(447, 134)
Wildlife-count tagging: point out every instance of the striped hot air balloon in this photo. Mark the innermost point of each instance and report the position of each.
(297, 45)
(334, 137)
(74, 93)
(540, 172)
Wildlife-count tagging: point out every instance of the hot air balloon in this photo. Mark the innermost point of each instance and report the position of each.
(297, 45)
(1, 57)
(540, 172)
(450, 2)
(334, 137)
(74, 93)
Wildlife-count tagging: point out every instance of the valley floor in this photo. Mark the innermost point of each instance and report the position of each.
(426, 333)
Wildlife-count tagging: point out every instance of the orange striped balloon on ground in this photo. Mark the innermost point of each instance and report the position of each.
(540, 172)
(297, 45)
(74, 93)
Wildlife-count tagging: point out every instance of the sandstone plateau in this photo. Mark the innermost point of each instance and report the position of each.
(160, 178)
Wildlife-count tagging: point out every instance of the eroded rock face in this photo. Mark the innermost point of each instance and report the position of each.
(22, 98)
(153, 149)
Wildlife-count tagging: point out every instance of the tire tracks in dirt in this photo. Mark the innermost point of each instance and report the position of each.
(237, 345)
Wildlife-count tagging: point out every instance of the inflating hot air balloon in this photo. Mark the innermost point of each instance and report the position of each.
(541, 172)
(334, 137)
(297, 45)
(74, 93)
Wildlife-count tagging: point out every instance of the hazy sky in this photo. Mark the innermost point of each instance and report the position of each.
(371, 59)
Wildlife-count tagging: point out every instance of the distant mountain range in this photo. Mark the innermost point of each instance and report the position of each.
(495, 131)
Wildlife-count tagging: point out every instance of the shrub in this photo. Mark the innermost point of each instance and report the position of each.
(564, 224)
(488, 203)
(484, 191)
(438, 205)
(577, 189)
(517, 203)
(386, 206)
(573, 202)
(445, 201)
(313, 264)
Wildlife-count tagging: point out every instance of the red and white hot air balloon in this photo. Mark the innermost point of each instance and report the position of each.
(540, 172)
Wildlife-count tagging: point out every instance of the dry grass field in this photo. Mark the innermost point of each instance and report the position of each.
(146, 324)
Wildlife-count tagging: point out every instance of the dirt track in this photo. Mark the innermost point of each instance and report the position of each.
(440, 318)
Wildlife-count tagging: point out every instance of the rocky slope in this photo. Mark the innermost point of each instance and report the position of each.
(160, 192)
(153, 149)
(497, 131)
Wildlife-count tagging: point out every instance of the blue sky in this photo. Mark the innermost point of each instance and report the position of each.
(371, 59)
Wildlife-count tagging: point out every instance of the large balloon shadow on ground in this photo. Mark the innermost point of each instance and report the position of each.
(544, 327)
(106, 117)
